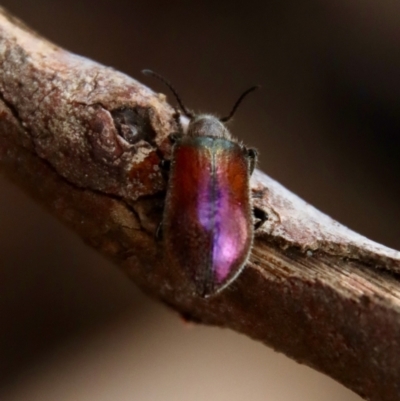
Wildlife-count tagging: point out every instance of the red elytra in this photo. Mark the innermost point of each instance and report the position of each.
(207, 222)
(207, 225)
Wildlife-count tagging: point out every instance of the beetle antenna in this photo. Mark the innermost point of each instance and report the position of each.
(236, 105)
(177, 97)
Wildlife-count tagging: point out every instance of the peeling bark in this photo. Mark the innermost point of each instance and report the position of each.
(86, 142)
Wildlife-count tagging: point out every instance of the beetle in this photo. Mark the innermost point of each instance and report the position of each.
(207, 226)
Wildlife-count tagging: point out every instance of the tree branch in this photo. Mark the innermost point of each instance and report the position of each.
(86, 142)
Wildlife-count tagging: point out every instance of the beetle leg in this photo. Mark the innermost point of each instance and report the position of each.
(165, 165)
(252, 156)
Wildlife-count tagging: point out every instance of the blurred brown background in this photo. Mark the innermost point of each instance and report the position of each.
(326, 124)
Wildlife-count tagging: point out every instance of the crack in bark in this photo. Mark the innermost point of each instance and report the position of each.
(13, 110)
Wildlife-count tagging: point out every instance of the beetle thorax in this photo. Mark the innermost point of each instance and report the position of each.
(207, 125)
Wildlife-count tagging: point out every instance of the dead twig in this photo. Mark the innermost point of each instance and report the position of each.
(86, 141)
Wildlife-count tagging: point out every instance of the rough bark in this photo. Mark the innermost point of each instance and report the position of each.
(86, 142)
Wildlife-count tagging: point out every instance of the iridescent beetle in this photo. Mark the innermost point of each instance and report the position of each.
(208, 225)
